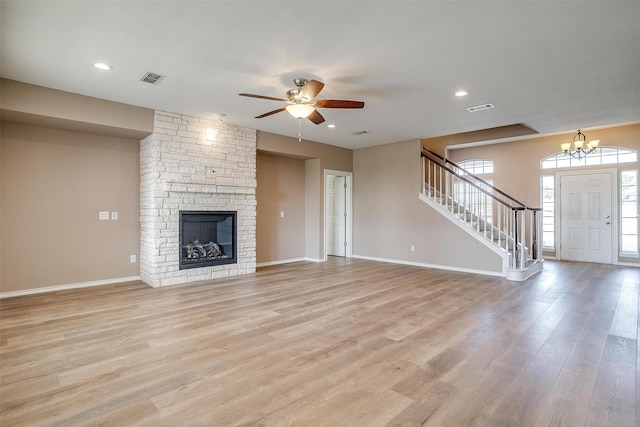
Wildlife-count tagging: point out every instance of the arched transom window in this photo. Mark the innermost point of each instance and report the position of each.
(477, 167)
(602, 156)
(470, 197)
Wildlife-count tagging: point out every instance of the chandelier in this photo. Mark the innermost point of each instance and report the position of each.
(579, 147)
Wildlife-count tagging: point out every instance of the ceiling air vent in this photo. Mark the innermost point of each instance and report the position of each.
(362, 132)
(153, 78)
(480, 108)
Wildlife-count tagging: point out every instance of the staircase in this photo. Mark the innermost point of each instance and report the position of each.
(508, 227)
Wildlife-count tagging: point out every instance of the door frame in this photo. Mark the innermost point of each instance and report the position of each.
(615, 220)
(348, 253)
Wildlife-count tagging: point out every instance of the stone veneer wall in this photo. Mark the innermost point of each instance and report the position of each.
(190, 163)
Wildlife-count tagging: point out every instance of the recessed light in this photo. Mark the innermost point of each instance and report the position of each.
(461, 93)
(103, 66)
(331, 126)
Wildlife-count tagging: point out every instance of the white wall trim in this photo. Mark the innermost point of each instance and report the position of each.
(282, 261)
(628, 264)
(69, 286)
(288, 261)
(437, 267)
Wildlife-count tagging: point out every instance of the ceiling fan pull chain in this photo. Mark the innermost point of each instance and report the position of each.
(299, 130)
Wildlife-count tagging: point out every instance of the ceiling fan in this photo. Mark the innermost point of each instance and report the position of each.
(302, 103)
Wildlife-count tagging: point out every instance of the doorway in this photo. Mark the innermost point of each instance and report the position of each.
(337, 221)
(587, 210)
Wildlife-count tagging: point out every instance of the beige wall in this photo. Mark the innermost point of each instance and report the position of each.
(281, 188)
(439, 144)
(389, 217)
(25, 103)
(317, 158)
(331, 157)
(54, 182)
(517, 162)
(313, 203)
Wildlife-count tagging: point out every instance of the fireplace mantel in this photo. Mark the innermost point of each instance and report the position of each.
(180, 187)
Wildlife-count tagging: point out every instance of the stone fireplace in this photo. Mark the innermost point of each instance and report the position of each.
(191, 164)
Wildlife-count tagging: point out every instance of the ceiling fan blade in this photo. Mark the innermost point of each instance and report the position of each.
(316, 117)
(270, 98)
(279, 110)
(338, 103)
(311, 89)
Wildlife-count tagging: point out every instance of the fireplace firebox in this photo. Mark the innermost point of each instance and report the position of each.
(207, 238)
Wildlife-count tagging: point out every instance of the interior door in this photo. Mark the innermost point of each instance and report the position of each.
(336, 215)
(586, 216)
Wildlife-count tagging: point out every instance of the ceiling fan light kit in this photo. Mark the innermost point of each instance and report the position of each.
(300, 111)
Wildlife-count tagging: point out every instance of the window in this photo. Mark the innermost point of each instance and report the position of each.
(602, 156)
(472, 198)
(548, 212)
(477, 167)
(629, 212)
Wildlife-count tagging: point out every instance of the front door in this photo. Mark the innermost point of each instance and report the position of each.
(586, 212)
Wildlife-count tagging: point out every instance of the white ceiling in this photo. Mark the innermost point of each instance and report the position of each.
(551, 65)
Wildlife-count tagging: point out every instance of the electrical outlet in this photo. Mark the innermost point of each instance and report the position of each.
(114, 215)
(132, 258)
(104, 216)
(281, 214)
(413, 248)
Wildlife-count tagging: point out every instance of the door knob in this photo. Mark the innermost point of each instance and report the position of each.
(608, 222)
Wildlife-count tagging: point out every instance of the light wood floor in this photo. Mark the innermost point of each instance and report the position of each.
(345, 343)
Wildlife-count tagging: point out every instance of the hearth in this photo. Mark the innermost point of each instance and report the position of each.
(207, 238)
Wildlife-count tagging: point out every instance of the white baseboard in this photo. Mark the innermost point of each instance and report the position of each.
(282, 261)
(287, 261)
(628, 264)
(69, 286)
(435, 266)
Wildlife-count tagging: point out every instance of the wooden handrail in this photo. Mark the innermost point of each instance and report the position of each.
(482, 189)
(497, 190)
